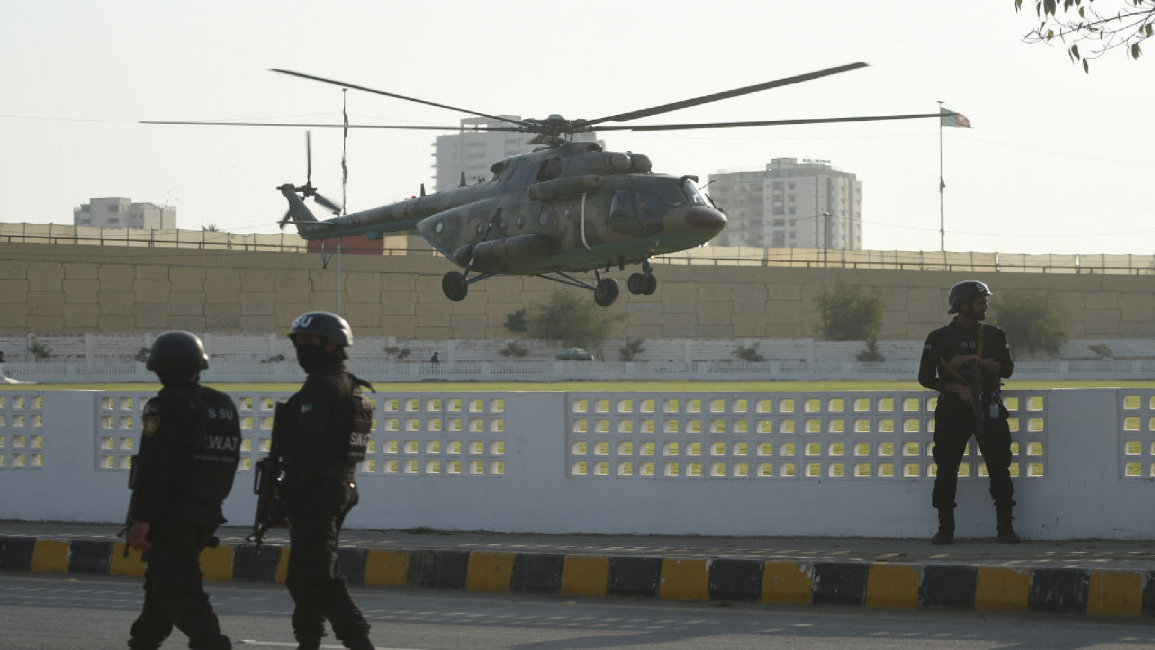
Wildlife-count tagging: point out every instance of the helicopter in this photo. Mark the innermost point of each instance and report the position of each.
(565, 208)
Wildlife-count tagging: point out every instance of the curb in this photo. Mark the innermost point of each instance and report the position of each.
(1094, 592)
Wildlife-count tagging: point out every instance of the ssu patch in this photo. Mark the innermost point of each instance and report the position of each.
(151, 418)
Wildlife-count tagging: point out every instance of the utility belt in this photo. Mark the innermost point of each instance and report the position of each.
(990, 401)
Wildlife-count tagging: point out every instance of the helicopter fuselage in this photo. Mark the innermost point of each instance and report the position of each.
(570, 208)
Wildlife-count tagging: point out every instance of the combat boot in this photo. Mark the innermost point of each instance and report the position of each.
(360, 644)
(308, 644)
(945, 534)
(1004, 515)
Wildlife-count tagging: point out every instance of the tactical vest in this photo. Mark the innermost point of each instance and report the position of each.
(208, 442)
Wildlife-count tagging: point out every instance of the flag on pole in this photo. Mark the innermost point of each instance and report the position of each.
(950, 118)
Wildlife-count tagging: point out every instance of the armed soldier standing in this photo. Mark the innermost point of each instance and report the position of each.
(966, 362)
(324, 438)
(189, 450)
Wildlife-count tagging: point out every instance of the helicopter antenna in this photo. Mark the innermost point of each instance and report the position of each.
(344, 152)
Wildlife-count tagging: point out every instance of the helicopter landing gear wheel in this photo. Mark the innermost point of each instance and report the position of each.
(606, 292)
(642, 284)
(636, 283)
(651, 285)
(454, 286)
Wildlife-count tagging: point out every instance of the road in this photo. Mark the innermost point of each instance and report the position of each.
(64, 612)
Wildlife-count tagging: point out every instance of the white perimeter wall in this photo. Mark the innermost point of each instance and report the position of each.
(821, 464)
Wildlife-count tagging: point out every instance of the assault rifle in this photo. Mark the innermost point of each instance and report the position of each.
(268, 476)
(977, 414)
(131, 502)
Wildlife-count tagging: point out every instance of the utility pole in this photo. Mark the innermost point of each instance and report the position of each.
(825, 276)
(941, 187)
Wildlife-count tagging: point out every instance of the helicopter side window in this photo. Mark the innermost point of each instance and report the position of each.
(692, 193)
(622, 206)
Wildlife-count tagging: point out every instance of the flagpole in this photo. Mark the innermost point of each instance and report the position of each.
(941, 186)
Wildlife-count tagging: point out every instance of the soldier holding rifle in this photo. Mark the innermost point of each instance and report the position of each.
(321, 435)
(189, 450)
(966, 361)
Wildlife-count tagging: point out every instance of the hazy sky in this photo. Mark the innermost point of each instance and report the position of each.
(1057, 161)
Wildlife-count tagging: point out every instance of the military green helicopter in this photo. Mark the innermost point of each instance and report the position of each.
(567, 207)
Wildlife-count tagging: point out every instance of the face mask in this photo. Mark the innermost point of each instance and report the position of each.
(313, 357)
(178, 378)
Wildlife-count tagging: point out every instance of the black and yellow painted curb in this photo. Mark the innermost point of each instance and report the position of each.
(1096, 592)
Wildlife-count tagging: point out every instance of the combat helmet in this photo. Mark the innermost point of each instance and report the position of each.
(328, 325)
(177, 352)
(966, 291)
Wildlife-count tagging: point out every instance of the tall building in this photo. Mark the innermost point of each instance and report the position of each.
(784, 206)
(473, 152)
(119, 212)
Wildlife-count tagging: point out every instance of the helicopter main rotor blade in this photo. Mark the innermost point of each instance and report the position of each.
(727, 125)
(467, 129)
(737, 92)
(396, 96)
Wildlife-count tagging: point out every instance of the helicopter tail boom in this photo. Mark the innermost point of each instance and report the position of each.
(298, 213)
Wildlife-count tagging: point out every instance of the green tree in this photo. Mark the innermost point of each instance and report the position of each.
(518, 321)
(1034, 321)
(1100, 25)
(572, 319)
(850, 313)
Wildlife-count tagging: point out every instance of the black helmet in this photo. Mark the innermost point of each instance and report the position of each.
(966, 291)
(177, 351)
(330, 326)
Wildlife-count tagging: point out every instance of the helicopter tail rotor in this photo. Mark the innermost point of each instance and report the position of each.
(298, 211)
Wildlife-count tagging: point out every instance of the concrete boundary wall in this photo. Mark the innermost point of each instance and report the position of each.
(47, 289)
(838, 464)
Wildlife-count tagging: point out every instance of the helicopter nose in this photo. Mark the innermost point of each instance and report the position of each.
(705, 219)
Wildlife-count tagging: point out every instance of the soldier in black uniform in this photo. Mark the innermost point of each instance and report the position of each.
(951, 357)
(189, 449)
(326, 433)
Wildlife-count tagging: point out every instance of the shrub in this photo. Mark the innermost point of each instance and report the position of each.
(39, 351)
(631, 349)
(748, 353)
(513, 350)
(397, 353)
(871, 353)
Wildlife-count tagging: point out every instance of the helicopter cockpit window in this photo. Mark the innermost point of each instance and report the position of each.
(692, 193)
(622, 206)
(549, 170)
(670, 194)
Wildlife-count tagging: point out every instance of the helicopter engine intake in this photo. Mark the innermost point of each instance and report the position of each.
(564, 187)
